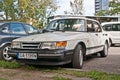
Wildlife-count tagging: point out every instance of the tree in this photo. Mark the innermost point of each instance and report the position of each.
(77, 7)
(113, 10)
(34, 11)
(102, 13)
(7, 6)
(114, 7)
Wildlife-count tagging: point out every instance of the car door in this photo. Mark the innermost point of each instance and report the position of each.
(115, 33)
(99, 36)
(94, 36)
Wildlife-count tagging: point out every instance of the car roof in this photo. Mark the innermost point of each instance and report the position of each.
(75, 17)
(105, 23)
(2, 23)
(14, 22)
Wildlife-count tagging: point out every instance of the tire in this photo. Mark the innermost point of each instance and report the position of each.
(111, 44)
(78, 57)
(104, 53)
(4, 53)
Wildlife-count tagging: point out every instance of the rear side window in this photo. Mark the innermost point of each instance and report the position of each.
(93, 26)
(17, 28)
(112, 27)
(116, 27)
(107, 27)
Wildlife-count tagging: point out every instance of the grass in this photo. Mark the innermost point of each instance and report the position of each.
(94, 75)
(60, 78)
(30, 68)
(10, 65)
(3, 79)
(98, 75)
(26, 74)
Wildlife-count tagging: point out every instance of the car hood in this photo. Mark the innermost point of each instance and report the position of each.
(52, 36)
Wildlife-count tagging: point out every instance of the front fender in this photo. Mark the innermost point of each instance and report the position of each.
(5, 41)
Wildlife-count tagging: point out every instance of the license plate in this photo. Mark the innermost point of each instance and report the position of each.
(27, 55)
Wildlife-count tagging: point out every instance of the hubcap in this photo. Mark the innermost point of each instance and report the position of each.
(5, 54)
(80, 58)
(106, 49)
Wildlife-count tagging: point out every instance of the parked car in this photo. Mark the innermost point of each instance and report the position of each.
(68, 40)
(113, 29)
(1, 23)
(10, 31)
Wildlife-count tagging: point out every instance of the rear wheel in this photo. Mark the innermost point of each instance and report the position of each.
(104, 53)
(111, 44)
(4, 53)
(78, 57)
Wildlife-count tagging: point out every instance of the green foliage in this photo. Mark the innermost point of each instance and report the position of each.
(3, 79)
(102, 13)
(30, 68)
(114, 8)
(60, 78)
(98, 75)
(94, 75)
(31, 11)
(10, 65)
(7, 6)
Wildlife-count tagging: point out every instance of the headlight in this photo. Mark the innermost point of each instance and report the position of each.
(54, 45)
(15, 45)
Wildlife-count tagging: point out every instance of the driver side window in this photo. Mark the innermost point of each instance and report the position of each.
(93, 26)
(97, 27)
(90, 27)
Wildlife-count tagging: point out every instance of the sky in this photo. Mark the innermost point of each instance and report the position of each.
(88, 7)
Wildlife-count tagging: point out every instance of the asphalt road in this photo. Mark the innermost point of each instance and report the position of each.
(110, 64)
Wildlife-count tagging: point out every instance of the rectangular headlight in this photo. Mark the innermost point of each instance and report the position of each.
(54, 45)
(48, 45)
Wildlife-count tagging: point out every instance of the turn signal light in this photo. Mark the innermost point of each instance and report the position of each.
(61, 44)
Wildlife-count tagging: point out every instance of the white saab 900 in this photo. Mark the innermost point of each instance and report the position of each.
(67, 40)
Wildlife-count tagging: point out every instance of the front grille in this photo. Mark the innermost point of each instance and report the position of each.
(26, 45)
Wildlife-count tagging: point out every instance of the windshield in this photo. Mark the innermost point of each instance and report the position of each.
(67, 25)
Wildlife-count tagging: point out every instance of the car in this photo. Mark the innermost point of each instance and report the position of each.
(10, 31)
(113, 29)
(1, 23)
(67, 40)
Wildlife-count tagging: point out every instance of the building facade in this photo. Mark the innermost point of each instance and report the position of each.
(101, 5)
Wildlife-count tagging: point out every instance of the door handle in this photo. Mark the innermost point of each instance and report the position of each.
(96, 34)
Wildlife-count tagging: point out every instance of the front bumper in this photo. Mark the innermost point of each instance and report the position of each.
(44, 57)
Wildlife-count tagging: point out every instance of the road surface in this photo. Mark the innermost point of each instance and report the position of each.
(110, 64)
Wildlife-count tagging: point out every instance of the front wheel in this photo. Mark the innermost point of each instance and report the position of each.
(78, 57)
(104, 52)
(4, 53)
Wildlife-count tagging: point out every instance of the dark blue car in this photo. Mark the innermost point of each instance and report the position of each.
(10, 31)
